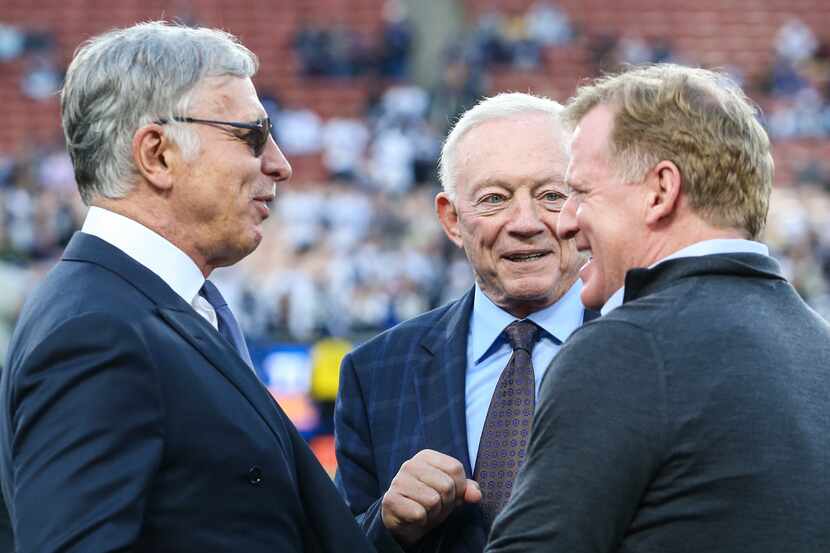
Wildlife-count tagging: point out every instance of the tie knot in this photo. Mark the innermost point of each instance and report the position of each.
(522, 335)
(211, 293)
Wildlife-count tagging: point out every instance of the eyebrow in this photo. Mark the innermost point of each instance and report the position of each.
(537, 183)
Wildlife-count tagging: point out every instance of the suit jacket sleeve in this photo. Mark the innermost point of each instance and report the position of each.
(596, 441)
(356, 474)
(86, 438)
(330, 525)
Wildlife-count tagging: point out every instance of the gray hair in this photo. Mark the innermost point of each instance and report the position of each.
(505, 104)
(126, 78)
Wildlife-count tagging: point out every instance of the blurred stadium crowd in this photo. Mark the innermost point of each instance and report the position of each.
(356, 248)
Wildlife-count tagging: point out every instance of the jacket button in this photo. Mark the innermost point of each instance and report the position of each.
(255, 475)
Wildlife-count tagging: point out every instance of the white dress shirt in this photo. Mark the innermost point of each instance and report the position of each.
(155, 252)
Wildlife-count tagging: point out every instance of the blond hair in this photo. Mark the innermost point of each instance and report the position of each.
(702, 122)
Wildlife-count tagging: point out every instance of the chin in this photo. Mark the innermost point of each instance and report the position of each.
(590, 300)
(237, 252)
(539, 296)
(250, 240)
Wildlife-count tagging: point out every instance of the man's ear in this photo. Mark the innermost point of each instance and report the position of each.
(665, 184)
(153, 153)
(448, 216)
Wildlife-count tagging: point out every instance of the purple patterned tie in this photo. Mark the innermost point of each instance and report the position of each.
(504, 438)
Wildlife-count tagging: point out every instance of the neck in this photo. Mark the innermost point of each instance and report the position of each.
(664, 242)
(154, 218)
(522, 310)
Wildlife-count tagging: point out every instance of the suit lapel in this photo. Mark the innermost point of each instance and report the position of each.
(589, 315)
(440, 383)
(440, 387)
(183, 319)
(204, 338)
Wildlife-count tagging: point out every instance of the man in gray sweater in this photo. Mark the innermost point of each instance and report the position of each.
(695, 414)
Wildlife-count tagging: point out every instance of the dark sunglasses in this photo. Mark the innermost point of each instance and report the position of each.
(256, 138)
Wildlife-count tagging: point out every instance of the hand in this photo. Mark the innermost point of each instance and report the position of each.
(424, 492)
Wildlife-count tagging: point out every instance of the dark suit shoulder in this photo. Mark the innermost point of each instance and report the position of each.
(612, 339)
(73, 287)
(407, 333)
(72, 290)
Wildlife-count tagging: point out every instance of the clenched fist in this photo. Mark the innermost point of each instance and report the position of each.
(424, 492)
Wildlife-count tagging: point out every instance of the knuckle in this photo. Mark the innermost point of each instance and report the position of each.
(410, 466)
(455, 468)
(395, 492)
(432, 500)
(446, 487)
(418, 517)
(389, 500)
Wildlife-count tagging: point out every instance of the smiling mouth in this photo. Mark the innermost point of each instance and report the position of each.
(262, 207)
(520, 257)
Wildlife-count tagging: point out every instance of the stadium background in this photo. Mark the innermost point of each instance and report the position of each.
(362, 92)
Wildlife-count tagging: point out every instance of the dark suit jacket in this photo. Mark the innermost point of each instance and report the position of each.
(129, 424)
(401, 392)
(695, 417)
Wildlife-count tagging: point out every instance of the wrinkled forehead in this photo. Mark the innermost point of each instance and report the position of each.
(511, 139)
(511, 149)
(227, 97)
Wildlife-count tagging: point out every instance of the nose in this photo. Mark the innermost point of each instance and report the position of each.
(566, 227)
(524, 217)
(274, 163)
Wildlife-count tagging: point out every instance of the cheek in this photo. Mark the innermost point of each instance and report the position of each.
(568, 256)
(589, 223)
(477, 234)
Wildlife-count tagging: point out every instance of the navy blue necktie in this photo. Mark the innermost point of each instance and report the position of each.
(228, 327)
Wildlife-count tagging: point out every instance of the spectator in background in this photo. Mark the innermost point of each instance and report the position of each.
(406, 462)
(795, 41)
(130, 418)
(344, 148)
(344, 143)
(548, 24)
(336, 51)
(799, 83)
(460, 85)
(697, 406)
(299, 130)
(396, 41)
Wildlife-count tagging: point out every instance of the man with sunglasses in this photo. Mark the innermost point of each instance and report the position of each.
(130, 417)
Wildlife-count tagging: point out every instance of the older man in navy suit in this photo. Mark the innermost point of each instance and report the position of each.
(432, 417)
(131, 419)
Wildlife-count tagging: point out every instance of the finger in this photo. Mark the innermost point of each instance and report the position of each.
(450, 466)
(428, 487)
(441, 461)
(472, 492)
(428, 467)
(438, 480)
(399, 512)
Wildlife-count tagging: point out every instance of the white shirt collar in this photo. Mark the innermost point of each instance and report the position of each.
(489, 320)
(147, 247)
(706, 247)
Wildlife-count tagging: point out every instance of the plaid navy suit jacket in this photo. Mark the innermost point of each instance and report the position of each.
(401, 392)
